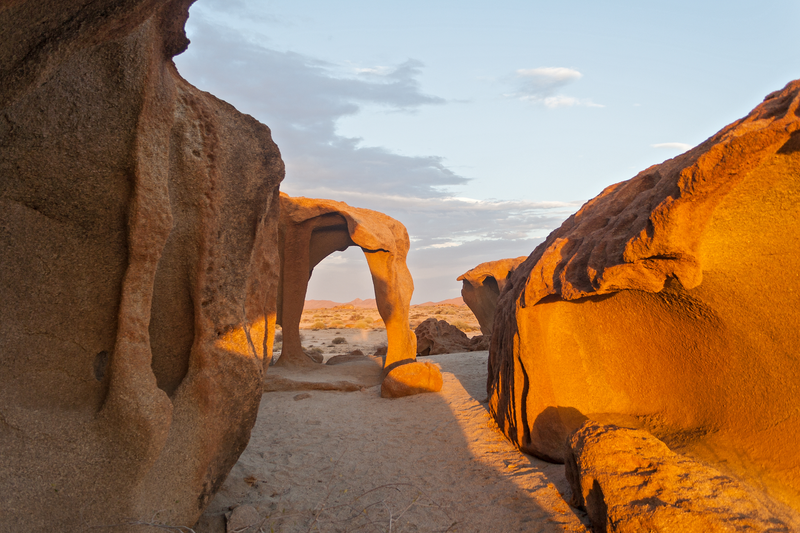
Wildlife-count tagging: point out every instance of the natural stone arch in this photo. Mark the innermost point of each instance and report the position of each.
(482, 287)
(312, 229)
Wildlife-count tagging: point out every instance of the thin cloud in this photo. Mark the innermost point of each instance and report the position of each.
(546, 80)
(541, 85)
(673, 146)
(554, 102)
(436, 223)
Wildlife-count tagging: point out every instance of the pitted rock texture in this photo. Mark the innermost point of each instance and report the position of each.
(411, 378)
(481, 287)
(435, 337)
(311, 229)
(671, 301)
(139, 235)
(628, 481)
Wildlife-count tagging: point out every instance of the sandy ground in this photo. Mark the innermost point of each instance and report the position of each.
(366, 340)
(351, 461)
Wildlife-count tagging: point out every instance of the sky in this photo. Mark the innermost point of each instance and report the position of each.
(481, 126)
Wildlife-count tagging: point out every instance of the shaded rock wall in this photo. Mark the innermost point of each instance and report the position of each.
(670, 302)
(138, 232)
(481, 288)
(310, 230)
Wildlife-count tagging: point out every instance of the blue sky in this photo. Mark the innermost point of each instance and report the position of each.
(481, 126)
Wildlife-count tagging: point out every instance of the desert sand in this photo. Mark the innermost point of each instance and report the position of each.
(351, 461)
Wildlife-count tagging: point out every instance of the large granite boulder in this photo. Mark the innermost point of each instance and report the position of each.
(481, 287)
(138, 236)
(671, 301)
(310, 230)
(628, 481)
(436, 337)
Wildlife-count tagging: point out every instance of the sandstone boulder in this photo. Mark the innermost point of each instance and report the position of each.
(139, 237)
(411, 378)
(481, 288)
(439, 336)
(480, 343)
(628, 481)
(312, 229)
(670, 300)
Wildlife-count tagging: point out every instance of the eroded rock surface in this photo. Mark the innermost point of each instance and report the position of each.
(435, 337)
(411, 378)
(481, 287)
(670, 300)
(311, 229)
(628, 481)
(138, 232)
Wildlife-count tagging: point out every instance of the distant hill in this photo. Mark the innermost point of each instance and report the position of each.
(451, 301)
(369, 303)
(319, 304)
(358, 303)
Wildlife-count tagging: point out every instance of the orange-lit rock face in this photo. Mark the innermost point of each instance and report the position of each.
(671, 301)
(312, 229)
(481, 288)
(139, 243)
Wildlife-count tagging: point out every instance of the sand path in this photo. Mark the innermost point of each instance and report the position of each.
(352, 461)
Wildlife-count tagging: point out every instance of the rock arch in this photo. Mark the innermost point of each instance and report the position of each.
(312, 229)
(482, 287)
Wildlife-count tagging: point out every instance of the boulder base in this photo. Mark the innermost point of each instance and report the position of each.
(411, 378)
(628, 481)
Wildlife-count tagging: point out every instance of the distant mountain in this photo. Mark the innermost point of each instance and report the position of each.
(319, 304)
(451, 301)
(369, 303)
(358, 303)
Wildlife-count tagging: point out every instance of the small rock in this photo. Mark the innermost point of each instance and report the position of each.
(302, 396)
(339, 359)
(316, 356)
(243, 519)
(411, 378)
(381, 350)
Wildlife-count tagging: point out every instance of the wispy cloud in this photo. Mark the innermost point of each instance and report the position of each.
(564, 101)
(301, 98)
(545, 80)
(445, 222)
(541, 85)
(673, 146)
